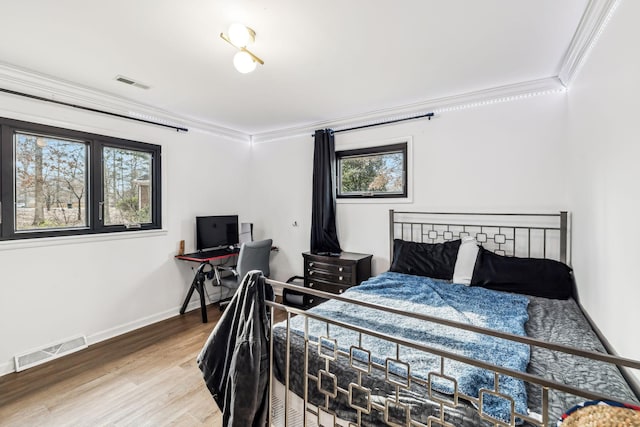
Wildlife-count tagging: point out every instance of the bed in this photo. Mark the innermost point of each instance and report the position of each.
(407, 349)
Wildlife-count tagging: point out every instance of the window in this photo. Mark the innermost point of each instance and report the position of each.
(126, 186)
(372, 172)
(50, 182)
(60, 182)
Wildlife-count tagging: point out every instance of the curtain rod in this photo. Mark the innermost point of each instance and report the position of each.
(428, 115)
(94, 110)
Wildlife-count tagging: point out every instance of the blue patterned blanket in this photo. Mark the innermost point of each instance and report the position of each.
(472, 305)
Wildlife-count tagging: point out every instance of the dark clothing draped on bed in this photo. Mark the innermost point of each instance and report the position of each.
(235, 358)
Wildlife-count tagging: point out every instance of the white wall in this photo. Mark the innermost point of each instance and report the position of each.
(604, 103)
(52, 289)
(281, 196)
(501, 157)
(574, 151)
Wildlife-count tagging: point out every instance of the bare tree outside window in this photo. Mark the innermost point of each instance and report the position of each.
(65, 182)
(127, 186)
(50, 183)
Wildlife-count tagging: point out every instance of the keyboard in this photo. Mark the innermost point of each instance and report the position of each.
(211, 253)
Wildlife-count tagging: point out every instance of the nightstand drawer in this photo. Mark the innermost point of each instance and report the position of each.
(336, 277)
(331, 268)
(320, 285)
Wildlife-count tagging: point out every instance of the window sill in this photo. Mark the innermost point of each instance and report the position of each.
(373, 200)
(72, 240)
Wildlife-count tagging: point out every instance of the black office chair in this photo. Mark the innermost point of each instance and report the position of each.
(252, 256)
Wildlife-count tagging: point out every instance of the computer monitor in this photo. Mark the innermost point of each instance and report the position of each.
(216, 231)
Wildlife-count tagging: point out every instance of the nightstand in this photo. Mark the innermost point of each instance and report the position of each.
(335, 274)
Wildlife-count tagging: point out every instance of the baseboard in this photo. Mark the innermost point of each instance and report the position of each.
(9, 367)
(139, 323)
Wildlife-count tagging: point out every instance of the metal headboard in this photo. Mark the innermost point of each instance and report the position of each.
(533, 235)
(515, 235)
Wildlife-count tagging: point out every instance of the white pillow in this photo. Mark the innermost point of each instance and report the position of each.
(466, 261)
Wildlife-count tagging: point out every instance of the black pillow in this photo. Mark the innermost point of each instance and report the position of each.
(531, 276)
(436, 260)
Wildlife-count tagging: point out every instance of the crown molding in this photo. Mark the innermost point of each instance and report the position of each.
(437, 106)
(34, 83)
(591, 26)
(18, 79)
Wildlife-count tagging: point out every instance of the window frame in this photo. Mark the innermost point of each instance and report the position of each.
(94, 178)
(401, 147)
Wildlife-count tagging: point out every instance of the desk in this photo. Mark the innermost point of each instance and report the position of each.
(218, 257)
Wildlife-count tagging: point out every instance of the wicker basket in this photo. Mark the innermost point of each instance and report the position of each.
(603, 416)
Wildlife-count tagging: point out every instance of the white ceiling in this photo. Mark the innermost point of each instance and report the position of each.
(324, 60)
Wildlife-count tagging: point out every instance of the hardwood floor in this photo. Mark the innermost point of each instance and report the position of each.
(147, 377)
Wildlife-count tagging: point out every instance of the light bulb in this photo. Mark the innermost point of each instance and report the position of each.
(243, 62)
(240, 35)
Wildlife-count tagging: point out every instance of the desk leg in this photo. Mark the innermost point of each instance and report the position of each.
(197, 285)
(189, 294)
(203, 305)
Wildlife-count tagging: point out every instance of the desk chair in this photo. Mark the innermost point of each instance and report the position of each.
(252, 256)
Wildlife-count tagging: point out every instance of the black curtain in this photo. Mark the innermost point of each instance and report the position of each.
(324, 238)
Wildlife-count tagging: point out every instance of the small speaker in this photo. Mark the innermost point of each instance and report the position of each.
(246, 232)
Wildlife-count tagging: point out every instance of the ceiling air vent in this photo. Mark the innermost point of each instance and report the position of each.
(131, 82)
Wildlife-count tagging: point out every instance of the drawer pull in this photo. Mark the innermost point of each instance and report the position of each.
(340, 291)
(310, 264)
(311, 284)
(340, 278)
(340, 269)
(310, 273)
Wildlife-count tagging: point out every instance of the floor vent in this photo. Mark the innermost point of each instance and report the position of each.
(52, 351)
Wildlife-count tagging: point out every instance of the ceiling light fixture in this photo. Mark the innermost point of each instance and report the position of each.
(241, 36)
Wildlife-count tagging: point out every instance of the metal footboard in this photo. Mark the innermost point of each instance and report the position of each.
(356, 399)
